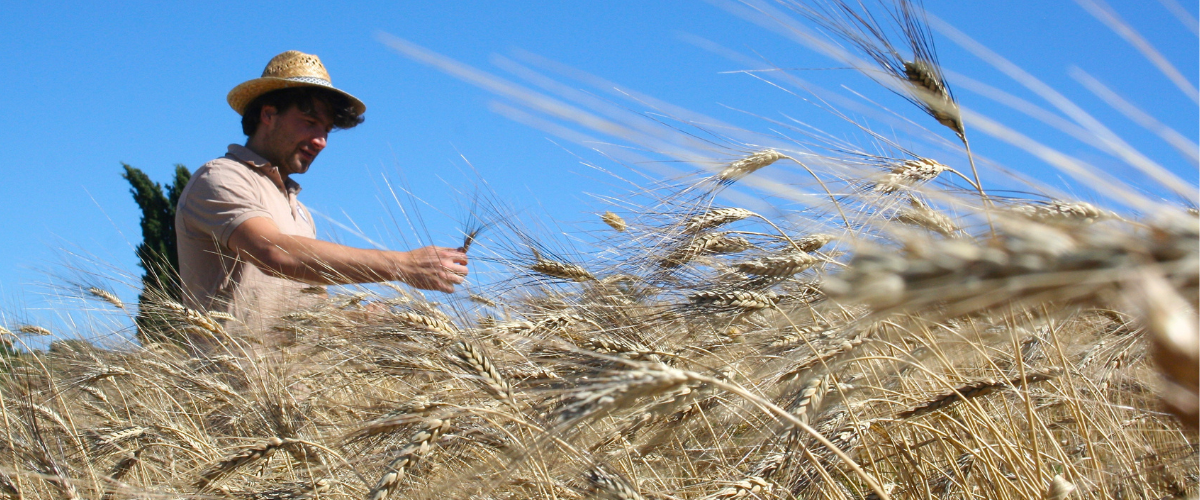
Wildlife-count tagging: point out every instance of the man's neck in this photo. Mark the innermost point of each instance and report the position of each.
(256, 147)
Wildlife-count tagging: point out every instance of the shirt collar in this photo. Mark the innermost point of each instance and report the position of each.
(253, 160)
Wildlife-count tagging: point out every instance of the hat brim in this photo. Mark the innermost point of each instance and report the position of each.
(243, 94)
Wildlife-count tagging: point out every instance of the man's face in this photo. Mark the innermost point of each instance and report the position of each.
(293, 139)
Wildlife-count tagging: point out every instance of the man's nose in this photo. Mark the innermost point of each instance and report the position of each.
(318, 142)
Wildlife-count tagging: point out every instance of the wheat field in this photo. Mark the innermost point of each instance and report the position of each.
(912, 335)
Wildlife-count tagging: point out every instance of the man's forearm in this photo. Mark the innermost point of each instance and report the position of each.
(259, 241)
(322, 262)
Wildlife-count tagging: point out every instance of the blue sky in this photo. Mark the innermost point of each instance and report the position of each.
(89, 85)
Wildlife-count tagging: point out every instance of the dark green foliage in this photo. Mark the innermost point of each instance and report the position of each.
(156, 253)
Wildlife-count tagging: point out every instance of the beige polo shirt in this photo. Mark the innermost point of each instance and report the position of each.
(221, 195)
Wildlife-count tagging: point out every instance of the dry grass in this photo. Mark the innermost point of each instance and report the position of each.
(699, 352)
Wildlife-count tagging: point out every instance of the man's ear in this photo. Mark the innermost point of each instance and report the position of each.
(267, 115)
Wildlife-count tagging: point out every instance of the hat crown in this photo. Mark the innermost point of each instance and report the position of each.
(293, 63)
(289, 69)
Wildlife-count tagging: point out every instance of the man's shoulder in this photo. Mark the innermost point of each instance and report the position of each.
(223, 170)
(220, 178)
(222, 165)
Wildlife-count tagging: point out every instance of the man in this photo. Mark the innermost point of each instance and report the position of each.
(247, 246)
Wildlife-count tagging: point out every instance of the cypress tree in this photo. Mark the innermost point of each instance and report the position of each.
(157, 254)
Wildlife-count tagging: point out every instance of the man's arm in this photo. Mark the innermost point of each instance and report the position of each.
(259, 241)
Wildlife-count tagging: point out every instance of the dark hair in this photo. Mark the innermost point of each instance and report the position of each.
(304, 99)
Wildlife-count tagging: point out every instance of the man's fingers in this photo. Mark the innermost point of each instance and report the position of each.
(456, 269)
(457, 256)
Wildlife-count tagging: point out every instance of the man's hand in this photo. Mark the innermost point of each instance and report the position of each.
(432, 268)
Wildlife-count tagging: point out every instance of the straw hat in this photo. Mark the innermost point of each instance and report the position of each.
(289, 69)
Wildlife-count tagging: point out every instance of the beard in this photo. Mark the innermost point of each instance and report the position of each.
(299, 167)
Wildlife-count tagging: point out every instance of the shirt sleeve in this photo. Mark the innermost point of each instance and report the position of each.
(218, 200)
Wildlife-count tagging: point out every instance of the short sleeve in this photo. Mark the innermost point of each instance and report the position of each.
(218, 199)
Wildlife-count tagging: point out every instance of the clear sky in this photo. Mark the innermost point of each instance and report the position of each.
(89, 85)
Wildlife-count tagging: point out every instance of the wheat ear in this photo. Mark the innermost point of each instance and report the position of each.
(1059, 489)
(107, 296)
(614, 221)
(558, 269)
(737, 299)
(426, 322)
(34, 330)
(714, 218)
(609, 485)
(780, 266)
(748, 165)
(751, 487)
(246, 456)
(484, 372)
(419, 444)
(972, 390)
